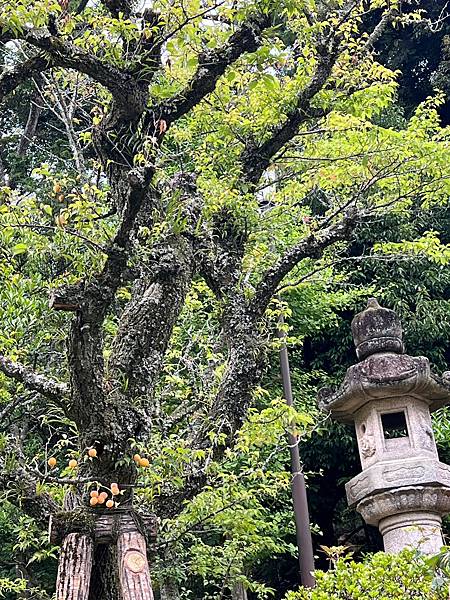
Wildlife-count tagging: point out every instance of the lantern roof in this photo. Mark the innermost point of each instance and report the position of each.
(384, 370)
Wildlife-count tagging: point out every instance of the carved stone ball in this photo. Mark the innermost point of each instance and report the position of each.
(377, 329)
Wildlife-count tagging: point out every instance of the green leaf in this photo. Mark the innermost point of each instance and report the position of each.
(19, 248)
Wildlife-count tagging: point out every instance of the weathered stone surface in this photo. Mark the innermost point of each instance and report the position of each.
(377, 329)
(384, 376)
(416, 530)
(403, 487)
(408, 499)
(386, 476)
(372, 442)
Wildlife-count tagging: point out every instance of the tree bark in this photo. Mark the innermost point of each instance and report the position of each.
(75, 566)
(239, 592)
(134, 572)
(169, 590)
(31, 125)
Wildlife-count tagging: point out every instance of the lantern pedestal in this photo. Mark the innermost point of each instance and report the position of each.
(403, 489)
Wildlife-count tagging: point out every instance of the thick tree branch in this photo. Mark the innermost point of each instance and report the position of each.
(380, 28)
(33, 381)
(11, 78)
(311, 247)
(92, 301)
(256, 158)
(212, 65)
(128, 94)
(147, 323)
(222, 253)
(244, 367)
(158, 297)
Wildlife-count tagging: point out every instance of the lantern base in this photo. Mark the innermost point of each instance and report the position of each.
(416, 530)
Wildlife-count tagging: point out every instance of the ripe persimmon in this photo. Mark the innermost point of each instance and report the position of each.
(144, 462)
(52, 462)
(93, 501)
(110, 504)
(92, 452)
(137, 459)
(94, 494)
(72, 463)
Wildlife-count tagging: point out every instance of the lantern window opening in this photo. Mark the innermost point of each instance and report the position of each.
(394, 425)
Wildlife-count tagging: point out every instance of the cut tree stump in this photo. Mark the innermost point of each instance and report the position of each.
(75, 566)
(134, 572)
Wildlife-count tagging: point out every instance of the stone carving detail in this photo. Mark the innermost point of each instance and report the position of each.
(425, 434)
(368, 447)
(402, 473)
(403, 500)
(444, 471)
(359, 487)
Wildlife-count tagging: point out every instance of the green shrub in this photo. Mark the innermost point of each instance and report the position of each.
(381, 576)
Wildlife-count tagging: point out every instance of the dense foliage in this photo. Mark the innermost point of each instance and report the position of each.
(380, 576)
(174, 177)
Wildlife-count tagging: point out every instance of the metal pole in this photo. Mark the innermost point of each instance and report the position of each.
(299, 497)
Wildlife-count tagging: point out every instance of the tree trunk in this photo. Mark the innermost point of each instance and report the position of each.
(239, 592)
(75, 566)
(134, 572)
(169, 590)
(105, 578)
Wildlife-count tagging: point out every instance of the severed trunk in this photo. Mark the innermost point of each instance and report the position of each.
(75, 566)
(134, 572)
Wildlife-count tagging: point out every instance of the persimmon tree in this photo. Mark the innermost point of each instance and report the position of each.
(210, 154)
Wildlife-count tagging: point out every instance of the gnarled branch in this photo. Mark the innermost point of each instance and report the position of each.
(311, 247)
(212, 65)
(158, 297)
(33, 381)
(128, 94)
(256, 158)
(11, 78)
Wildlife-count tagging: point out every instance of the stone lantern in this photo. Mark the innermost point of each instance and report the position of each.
(403, 488)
